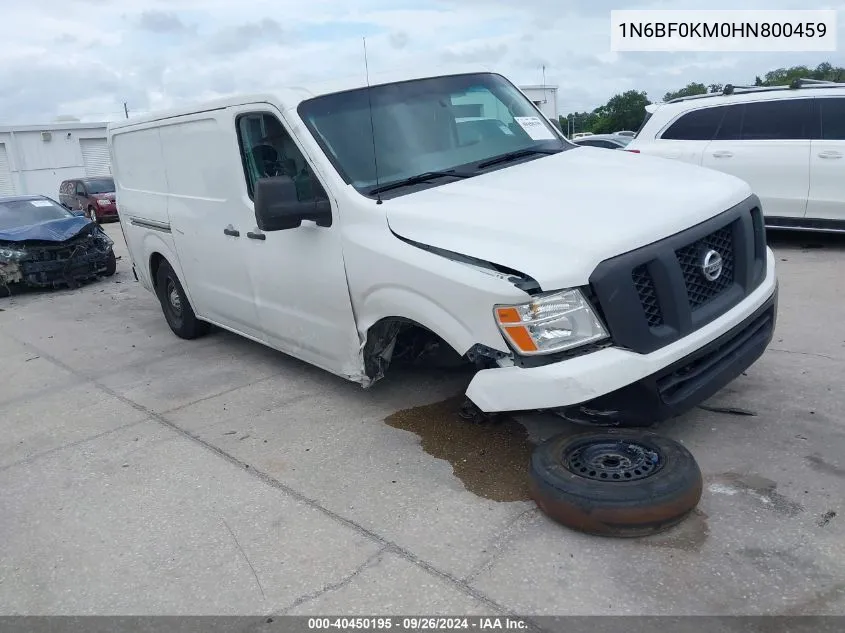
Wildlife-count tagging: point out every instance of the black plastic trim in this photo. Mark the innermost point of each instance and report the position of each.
(807, 224)
(164, 227)
(616, 294)
(688, 382)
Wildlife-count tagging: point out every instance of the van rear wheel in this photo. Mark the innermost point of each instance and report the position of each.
(175, 305)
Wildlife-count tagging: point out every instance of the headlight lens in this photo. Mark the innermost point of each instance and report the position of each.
(103, 202)
(11, 254)
(550, 323)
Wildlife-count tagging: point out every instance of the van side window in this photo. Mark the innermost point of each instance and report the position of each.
(698, 125)
(80, 189)
(267, 150)
(833, 118)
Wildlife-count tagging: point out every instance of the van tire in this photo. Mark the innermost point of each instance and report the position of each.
(175, 305)
(566, 481)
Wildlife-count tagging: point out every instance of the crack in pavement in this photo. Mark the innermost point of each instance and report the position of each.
(498, 544)
(372, 561)
(814, 354)
(37, 456)
(246, 558)
(271, 481)
(257, 381)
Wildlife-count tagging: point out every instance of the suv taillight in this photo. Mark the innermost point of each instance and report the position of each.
(634, 151)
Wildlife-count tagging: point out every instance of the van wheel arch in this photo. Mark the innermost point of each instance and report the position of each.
(155, 262)
(398, 338)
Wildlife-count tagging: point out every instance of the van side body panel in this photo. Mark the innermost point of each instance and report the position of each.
(141, 190)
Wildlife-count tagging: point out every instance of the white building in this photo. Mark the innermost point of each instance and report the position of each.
(34, 159)
(544, 97)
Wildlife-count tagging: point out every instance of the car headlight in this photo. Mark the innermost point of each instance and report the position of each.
(550, 323)
(103, 203)
(11, 254)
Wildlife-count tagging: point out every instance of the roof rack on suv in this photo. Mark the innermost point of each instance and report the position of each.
(730, 89)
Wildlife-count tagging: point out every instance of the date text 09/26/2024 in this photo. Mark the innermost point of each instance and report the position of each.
(417, 623)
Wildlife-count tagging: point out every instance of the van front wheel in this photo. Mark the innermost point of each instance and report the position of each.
(177, 310)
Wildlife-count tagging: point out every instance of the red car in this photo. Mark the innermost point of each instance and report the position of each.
(93, 196)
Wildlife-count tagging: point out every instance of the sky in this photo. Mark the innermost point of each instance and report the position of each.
(85, 58)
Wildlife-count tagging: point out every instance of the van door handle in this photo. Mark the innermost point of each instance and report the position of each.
(830, 154)
(229, 230)
(722, 154)
(256, 236)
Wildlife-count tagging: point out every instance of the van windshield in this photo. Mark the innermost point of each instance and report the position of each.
(100, 185)
(427, 127)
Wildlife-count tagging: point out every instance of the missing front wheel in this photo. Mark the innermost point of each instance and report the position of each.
(472, 414)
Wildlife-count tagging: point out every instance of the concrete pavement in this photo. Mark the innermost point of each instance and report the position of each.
(144, 474)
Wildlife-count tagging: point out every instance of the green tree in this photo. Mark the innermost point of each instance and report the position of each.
(623, 112)
(785, 76)
(715, 88)
(690, 90)
(578, 122)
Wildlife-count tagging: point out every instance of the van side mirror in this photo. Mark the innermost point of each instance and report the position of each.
(277, 206)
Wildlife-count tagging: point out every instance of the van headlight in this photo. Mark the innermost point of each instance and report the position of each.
(550, 323)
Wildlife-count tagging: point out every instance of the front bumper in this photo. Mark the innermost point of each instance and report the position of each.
(107, 213)
(642, 388)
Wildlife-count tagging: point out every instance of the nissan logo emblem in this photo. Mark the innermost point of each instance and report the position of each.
(711, 265)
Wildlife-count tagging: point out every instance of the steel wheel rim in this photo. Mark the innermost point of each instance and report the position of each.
(612, 460)
(173, 298)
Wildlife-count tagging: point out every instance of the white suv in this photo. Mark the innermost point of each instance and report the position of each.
(787, 142)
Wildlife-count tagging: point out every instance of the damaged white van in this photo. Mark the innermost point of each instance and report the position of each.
(337, 223)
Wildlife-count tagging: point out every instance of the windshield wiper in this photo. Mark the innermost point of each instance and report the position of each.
(419, 178)
(511, 156)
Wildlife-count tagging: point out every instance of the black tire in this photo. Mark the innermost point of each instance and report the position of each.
(632, 496)
(181, 318)
(111, 265)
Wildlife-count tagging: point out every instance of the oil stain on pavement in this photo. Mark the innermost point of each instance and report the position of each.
(490, 459)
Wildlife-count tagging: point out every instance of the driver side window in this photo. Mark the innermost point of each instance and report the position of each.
(267, 150)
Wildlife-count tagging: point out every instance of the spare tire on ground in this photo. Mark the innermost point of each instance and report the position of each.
(615, 483)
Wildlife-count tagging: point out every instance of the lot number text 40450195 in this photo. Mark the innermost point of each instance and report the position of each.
(417, 623)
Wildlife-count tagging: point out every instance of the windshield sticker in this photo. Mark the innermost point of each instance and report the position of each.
(41, 203)
(535, 128)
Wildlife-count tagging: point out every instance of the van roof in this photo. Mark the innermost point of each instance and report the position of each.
(292, 96)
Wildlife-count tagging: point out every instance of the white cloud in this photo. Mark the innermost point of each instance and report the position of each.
(86, 57)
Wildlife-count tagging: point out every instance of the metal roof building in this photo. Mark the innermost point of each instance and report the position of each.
(34, 159)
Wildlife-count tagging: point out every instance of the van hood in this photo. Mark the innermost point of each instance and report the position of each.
(555, 218)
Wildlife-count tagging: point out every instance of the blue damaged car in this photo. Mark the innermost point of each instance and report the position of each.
(43, 245)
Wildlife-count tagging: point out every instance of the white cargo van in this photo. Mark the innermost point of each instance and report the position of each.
(337, 223)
